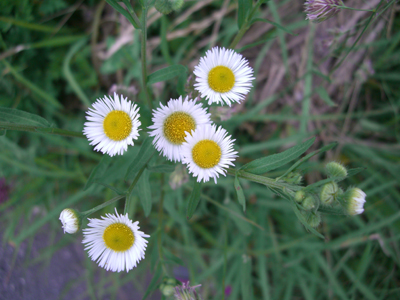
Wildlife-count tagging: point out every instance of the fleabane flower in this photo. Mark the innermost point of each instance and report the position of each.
(172, 123)
(354, 199)
(115, 242)
(112, 124)
(208, 152)
(223, 76)
(70, 220)
(321, 10)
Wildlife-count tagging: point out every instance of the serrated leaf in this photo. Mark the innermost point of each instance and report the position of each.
(166, 74)
(22, 117)
(98, 171)
(244, 8)
(145, 153)
(162, 168)
(325, 96)
(153, 283)
(240, 193)
(272, 162)
(193, 200)
(144, 192)
(307, 157)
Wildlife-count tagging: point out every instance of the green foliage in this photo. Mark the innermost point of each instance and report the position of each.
(249, 237)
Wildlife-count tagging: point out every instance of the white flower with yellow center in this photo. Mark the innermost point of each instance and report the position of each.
(208, 152)
(223, 76)
(112, 124)
(172, 122)
(115, 242)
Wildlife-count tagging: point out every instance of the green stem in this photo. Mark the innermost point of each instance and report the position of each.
(56, 131)
(131, 187)
(264, 180)
(98, 207)
(350, 8)
(160, 224)
(144, 55)
(245, 26)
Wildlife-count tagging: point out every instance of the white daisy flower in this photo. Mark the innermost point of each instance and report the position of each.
(172, 122)
(354, 201)
(223, 76)
(70, 220)
(112, 124)
(115, 242)
(208, 152)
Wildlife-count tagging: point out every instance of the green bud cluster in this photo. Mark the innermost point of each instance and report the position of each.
(167, 287)
(335, 169)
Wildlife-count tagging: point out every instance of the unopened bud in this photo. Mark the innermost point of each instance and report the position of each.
(167, 287)
(312, 218)
(335, 169)
(70, 220)
(308, 203)
(293, 177)
(354, 200)
(329, 193)
(167, 6)
(299, 196)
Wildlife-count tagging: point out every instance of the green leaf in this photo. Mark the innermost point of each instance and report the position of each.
(272, 23)
(162, 168)
(142, 158)
(325, 96)
(244, 8)
(193, 200)
(144, 192)
(125, 13)
(22, 117)
(239, 192)
(98, 171)
(153, 283)
(307, 157)
(166, 74)
(271, 162)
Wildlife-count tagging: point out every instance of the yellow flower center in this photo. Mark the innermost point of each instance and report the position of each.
(206, 154)
(118, 237)
(117, 125)
(221, 79)
(175, 126)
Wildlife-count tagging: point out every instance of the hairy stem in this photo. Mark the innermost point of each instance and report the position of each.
(98, 207)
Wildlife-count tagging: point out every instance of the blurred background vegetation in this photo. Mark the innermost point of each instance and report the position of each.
(337, 80)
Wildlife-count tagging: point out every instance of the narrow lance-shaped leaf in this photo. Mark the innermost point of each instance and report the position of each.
(193, 200)
(162, 168)
(271, 162)
(239, 192)
(144, 192)
(166, 74)
(22, 117)
(244, 7)
(307, 157)
(145, 153)
(98, 171)
(125, 13)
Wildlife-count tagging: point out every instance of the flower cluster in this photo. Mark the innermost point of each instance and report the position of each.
(182, 129)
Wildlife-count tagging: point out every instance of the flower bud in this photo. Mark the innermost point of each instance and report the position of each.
(329, 193)
(70, 220)
(299, 196)
(335, 169)
(312, 218)
(354, 200)
(167, 287)
(167, 6)
(308, 203)
(293, 177)
(321, 10)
